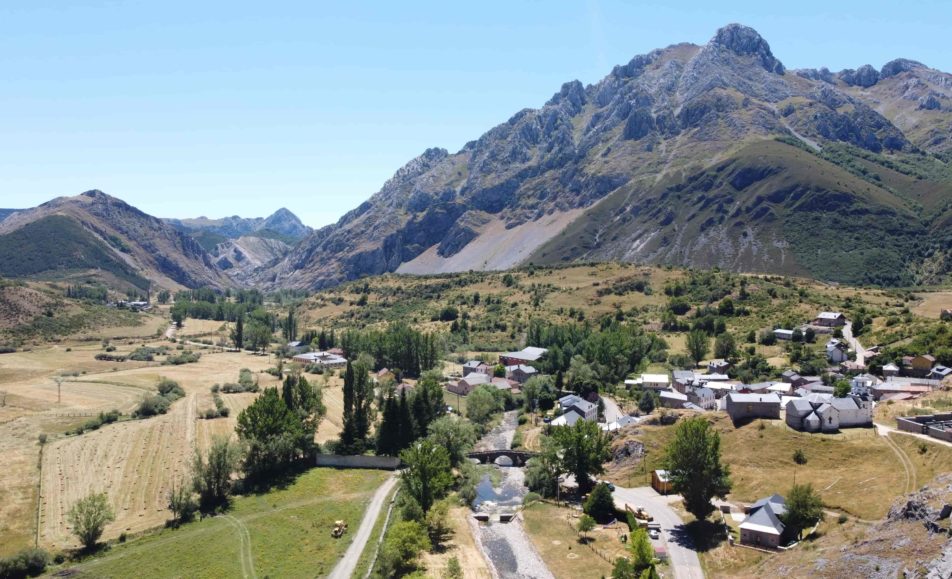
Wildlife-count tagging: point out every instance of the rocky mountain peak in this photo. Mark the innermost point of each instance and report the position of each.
(745, 41)
(285, 222)
(900, 65)
(865, 76)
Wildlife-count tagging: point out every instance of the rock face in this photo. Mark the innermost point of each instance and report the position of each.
(744, 40)
(632, 168)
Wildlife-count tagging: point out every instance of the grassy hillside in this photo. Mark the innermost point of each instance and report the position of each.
(59, 247)
(493, 309)
(284, 533)
(770, 207)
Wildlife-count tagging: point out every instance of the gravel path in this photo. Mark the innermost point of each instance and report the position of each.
(346, 566)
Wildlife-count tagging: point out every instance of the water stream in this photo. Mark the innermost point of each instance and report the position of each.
(505, 545)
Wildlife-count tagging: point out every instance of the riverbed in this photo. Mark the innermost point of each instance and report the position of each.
(505, 545)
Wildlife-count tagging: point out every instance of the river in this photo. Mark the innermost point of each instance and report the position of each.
(505, 545)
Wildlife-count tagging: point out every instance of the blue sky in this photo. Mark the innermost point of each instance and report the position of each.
(221, 108)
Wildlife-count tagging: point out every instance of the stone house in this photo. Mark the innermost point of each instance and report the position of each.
(837, 351)
(468, 383)
(830, 320)
(672, 399)
(703, 397)
(742, 407)
(918, 366)
(477, 367)
(718, 366)
(521, 373)
(524, 356)
(763, 527)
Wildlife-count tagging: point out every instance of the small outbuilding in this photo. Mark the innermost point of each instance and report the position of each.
(661, 482)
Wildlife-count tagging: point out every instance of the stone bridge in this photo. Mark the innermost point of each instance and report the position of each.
(518, 457)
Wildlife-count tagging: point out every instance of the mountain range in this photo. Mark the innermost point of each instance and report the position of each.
(700, 156)
(713, 155)
(94, 236)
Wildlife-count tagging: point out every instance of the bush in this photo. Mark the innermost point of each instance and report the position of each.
(531, 498)
(95, 423)
(170, 389)
(153, 405)
(400, 550)
(186, 357)
(147, 354)
(26, 563)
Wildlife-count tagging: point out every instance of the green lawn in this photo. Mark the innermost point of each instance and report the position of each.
(284, 533)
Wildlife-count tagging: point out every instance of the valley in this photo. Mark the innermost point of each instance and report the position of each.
(699, 308)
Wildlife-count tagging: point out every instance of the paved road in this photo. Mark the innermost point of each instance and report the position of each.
(346, 566)
(612, 411)
(854, 343)
(683, 557)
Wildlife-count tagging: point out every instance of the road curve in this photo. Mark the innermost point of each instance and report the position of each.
(348, 563)
(612, 411)
(854, 343)
(683, 557)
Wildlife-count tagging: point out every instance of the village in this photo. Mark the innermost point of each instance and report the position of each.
(843, 397)
(839, 394)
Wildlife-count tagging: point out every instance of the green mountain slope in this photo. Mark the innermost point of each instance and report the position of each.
(58, 246)
(771, 207)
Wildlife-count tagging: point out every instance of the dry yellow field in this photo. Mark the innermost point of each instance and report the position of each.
(134, 461)
(461, 545)
(932, 304)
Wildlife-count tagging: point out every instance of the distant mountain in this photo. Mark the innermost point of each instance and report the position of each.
(239, 245)
(4, 213)
(282, 225)
(241, 257)
(713, 155)
(97, 236)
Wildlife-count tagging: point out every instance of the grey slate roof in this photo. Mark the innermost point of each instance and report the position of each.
(844, 403)
(747, 398)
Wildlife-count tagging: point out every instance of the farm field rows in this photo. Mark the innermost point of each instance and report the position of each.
(134, 461)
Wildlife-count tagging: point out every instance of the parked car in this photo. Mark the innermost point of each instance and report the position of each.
(610, 486)
(654, 534)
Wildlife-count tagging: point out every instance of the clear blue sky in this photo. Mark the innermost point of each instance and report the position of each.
(220, 108)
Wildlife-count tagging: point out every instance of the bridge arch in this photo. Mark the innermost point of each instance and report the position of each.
(514, 457)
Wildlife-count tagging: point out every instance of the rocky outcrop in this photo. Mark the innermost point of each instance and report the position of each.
(744, 40)
(673, 111)
(865, 76)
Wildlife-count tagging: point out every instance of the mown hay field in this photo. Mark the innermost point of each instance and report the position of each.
(281, 533)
